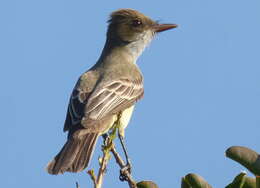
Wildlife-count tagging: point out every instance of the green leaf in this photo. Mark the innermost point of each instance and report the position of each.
(257, 179)
(146, 184)
(184, 183)
(238, 181)
(196, 181)
(246, 157)
(242, 181)
(249, 182)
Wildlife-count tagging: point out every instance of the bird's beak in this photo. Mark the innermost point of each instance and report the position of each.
(163, 27)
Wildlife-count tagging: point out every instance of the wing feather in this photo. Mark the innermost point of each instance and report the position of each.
(106, 99)
(122, 93)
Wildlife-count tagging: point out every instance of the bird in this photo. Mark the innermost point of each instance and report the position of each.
(112, 86)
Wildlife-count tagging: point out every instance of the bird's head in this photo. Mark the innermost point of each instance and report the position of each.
(131, 31)
(129, 25)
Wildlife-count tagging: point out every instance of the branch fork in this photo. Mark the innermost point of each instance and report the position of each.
(108, 147)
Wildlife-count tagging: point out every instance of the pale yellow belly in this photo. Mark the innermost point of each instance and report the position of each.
(124, 120)
(104, 126)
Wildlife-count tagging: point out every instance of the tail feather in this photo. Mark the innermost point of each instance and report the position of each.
(74, 156)
(82, 160)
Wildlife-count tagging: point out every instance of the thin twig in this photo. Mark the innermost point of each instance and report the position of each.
(93, 177)
(121, 163)
(107, 147)
(102, 169)
(97, 181)
(108, 142)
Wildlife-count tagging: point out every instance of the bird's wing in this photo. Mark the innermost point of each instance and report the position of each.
(113, 97)
(75, 110)
(79, 98)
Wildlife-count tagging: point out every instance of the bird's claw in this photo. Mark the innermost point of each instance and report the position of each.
(123, 172)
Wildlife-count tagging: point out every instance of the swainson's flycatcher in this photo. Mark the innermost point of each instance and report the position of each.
(111, 87)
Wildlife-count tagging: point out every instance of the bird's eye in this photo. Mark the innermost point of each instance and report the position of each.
(136, 23)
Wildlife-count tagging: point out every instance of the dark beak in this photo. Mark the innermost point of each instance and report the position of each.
(163, 27)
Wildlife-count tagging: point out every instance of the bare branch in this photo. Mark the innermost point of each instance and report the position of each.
(121, 163)
(106, 148)
(102, 169)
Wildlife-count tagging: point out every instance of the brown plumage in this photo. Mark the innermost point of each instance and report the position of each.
(111, 86)
(74, 156)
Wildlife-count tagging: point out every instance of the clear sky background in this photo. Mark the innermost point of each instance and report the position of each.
(202, 91)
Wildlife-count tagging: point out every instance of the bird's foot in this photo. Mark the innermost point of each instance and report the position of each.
(125, 171)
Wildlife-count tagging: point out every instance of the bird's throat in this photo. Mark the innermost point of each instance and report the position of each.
(131, 50)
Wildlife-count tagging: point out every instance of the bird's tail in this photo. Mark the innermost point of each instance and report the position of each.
(74, 156)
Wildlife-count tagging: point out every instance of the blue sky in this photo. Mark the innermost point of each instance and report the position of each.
(202, 91)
